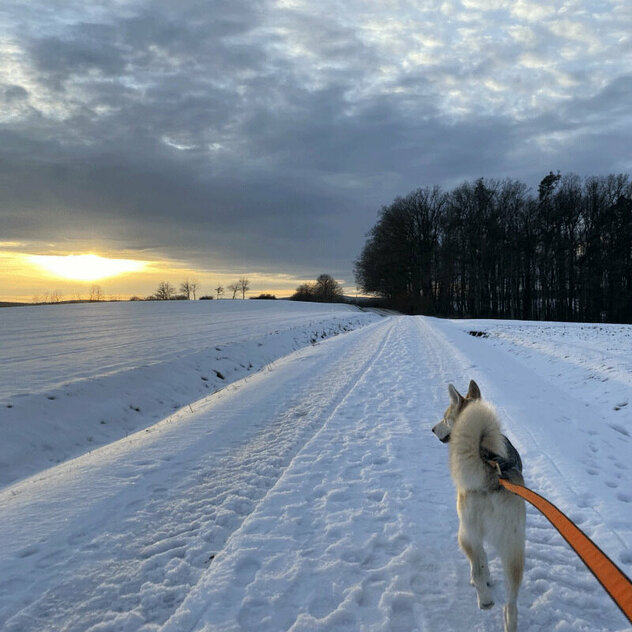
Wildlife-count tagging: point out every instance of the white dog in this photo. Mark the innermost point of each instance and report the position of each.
(487, 512)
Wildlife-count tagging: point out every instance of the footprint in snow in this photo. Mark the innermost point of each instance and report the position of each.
(252, 613)
(376, 495)
(620, 429)
(585, 501)
(417, 584)
(321, 607)
(28, 551)
(402, 614)
(246, 570)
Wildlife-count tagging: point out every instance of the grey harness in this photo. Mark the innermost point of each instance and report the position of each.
(505, 465)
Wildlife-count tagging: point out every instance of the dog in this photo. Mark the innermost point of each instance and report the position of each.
(479, 454)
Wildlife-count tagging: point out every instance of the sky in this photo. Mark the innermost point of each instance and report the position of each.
(228, 138)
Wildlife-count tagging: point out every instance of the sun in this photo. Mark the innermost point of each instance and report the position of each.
(85, 267)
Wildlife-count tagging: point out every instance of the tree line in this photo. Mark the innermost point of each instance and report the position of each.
(165, 291)
(324, 290)
(188, 290)
(497, 249)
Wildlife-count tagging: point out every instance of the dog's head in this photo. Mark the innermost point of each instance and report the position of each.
(456, 407)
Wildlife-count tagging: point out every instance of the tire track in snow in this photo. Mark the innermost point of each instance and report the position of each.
(360, 531)
(246, 568)
(149, 543)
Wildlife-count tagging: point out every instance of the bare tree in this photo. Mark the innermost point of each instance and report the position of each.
(220, 290)
(234, 288)
(164, 291)
(304, 292)
(95, 293)
(186, 289)
(244, 286)
(327, 289)
(194, 288)
(56, 296)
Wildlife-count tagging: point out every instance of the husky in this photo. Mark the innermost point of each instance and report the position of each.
(479, 454)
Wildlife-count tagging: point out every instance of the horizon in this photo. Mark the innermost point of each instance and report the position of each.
(65, 279)
(48, 286)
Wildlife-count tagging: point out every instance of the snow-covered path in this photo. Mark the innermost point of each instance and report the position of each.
(313, 496)
(352, 534)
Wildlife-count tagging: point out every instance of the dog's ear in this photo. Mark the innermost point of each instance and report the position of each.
(473, 392)
(455, 396)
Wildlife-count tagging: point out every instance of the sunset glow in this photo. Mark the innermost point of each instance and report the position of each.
(85, 267)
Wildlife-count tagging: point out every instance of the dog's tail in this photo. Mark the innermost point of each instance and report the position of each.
(477, 430)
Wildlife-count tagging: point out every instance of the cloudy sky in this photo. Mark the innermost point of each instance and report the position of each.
(260, 138)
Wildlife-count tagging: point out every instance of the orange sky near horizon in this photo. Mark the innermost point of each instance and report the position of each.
(27, 277)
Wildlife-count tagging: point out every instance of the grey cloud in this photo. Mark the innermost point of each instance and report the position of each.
(13, 93)
(231, 133)
(608, 105)
(84, 49)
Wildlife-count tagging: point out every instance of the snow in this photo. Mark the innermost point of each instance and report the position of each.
(84, 375)
(311, 494)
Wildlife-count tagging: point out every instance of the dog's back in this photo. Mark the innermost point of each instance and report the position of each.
(476, 432)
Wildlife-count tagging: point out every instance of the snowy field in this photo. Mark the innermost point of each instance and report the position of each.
(310, 495)
(75, 377)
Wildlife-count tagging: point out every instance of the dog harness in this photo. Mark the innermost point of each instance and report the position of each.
(507, 466)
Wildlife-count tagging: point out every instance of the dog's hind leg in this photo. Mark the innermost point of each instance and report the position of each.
(484, 568)
(511, 547)
(471, 532)
(513, 564)
(478, 565)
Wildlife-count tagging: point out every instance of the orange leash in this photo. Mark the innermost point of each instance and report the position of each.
(609, 575)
